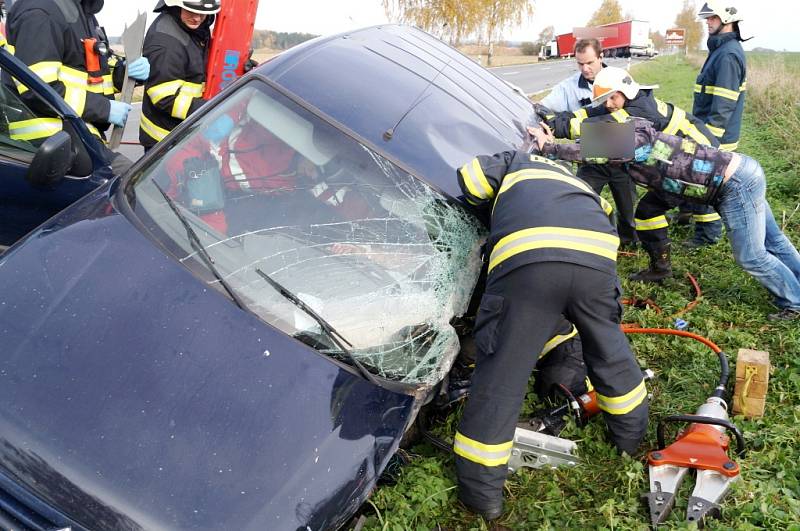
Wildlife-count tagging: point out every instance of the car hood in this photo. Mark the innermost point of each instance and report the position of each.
(170, 407)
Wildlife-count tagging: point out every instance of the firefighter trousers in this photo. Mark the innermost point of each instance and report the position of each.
(518, 314)
(651, 220)
(622, 190)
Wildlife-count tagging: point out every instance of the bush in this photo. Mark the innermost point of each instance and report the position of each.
(529, 48)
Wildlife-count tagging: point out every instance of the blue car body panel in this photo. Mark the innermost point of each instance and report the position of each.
(136, 396)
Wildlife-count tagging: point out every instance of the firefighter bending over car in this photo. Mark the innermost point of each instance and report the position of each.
(617, 97)
(62, 42)
(552, 254)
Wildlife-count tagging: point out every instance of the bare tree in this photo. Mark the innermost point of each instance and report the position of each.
(609, 11)
(546, 35)
(687, 19)
(501, 14)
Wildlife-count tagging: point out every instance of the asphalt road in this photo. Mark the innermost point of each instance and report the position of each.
(538, 77)
(531, 78)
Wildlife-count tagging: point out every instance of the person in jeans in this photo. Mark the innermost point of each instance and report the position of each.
(734, 184)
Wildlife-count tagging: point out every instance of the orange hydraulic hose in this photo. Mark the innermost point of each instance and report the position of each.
(633, 329)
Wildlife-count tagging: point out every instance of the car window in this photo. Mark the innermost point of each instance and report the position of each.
(13, 110)
(271, 189)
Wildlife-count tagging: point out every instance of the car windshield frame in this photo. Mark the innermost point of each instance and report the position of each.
(421, 338)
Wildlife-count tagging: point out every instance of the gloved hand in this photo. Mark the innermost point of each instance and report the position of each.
(219, 129)
(139, 69)
(118, 112)
(541, 111)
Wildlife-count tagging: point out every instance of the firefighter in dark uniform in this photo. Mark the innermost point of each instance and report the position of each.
(177, 46)
(617, 96)
(719, 94)
(62, 42)
(552, 253)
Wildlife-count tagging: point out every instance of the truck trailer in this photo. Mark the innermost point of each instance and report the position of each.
(619, 39)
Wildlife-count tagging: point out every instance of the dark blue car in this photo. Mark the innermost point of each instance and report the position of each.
(190, 346)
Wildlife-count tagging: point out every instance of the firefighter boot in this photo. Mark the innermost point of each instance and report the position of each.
(660, 265)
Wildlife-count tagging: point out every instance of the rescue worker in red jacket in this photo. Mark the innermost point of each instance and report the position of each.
(637, 100)
(177, 46)
(61, 40)
(552, 254)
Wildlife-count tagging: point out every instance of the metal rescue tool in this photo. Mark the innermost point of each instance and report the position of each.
(702, 446)
(132, 41)
(533, 449)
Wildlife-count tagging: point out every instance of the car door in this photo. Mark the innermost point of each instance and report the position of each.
(24, 206)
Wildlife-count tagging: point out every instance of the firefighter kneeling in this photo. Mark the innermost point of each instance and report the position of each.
(552, 254)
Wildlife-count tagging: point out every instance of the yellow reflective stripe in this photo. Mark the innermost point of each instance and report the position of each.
(161, 91)
(729, 147)
(691, 130)
(698, 88)
(475, 180)
(72, 77)
(21, 89)
(538, 174)
(621, 115)
(557, 340)
(108, 85)
(11, 48)
(706, 218)
(619, 405)
(76, 98)
(589, 386)
(663, 108)
(723, 92)
(180, 106)
(743, 86)
(47, 70)
(717, 131)
(658, 222)
(195, 90)
(94, 130)
(483, 454)
(607, 208)
(34, 129)
(155, 132)
(575, 123)
(678, 117)
(587, 241)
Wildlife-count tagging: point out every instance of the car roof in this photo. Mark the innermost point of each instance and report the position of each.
(413, 97)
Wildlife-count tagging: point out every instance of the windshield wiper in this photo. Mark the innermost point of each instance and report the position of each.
(194, 240)
(331, 332)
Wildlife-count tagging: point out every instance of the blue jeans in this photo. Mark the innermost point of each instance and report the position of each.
(759, 246)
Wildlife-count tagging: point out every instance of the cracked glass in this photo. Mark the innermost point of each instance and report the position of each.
(268, 188)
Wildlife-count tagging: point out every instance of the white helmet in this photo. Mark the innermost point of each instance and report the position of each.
(726, 12)
(612, 79)
(202, 7)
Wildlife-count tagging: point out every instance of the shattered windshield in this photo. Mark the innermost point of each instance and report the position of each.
(271, 189)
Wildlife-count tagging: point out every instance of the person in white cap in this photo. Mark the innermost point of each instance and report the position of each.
(618, 97)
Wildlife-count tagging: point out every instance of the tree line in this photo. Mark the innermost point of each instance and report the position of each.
(278, 40)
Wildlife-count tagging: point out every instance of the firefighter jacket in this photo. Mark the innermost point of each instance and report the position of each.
(540, 213)
(48, 36)
(174, 90)
(665, 117)
(668, 164)
(720, 89)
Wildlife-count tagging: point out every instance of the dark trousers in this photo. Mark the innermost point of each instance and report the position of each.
(704, 231)
(622, 190)
(651, 220)
(519, 313)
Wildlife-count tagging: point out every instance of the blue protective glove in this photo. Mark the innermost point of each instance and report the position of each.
(118, 113)
(139, 69)
(219, 129)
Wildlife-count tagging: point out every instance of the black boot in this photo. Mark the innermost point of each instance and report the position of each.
(660, 265)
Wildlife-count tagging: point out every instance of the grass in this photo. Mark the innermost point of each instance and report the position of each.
(603, 492)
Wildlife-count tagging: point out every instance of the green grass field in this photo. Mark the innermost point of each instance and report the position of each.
(604, 491)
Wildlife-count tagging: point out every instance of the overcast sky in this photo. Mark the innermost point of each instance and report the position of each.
(773, 23)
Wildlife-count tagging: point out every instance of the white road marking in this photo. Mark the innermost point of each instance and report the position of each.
(510, 73)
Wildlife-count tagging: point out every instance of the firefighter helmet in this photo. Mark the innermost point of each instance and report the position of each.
(612, 79)
(726, 12)
(203, 7)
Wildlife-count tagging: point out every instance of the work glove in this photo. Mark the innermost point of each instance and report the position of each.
(219, 129)
(139, 69)
(118, 112)
(542, 111)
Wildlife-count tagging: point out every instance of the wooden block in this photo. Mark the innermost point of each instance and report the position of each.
(752, 380)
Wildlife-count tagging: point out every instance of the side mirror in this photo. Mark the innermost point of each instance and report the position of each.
(52, 160)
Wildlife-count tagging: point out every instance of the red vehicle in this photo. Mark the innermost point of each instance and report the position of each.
(619, 39)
